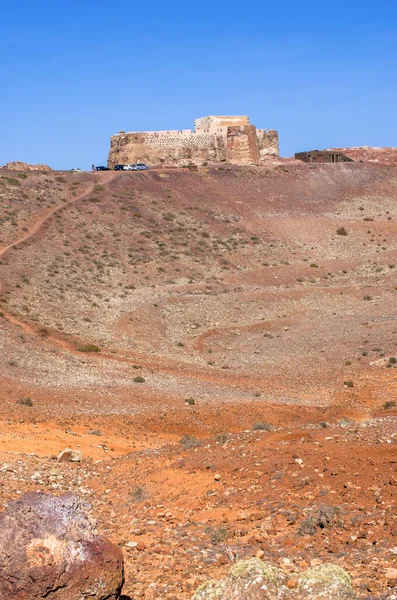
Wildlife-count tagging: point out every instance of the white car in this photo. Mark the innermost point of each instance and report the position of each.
(76, 170)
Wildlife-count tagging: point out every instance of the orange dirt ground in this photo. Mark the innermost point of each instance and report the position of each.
(239, 398)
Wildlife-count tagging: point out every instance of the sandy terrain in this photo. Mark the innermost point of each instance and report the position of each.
(220, 344)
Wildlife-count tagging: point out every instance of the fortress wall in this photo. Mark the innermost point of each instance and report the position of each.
(231, 139)
(202, 140)
(268, 142)
(153, 148)
(215, 123)
(242, 145)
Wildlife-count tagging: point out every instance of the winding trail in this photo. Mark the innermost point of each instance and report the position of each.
(168, 366)
(31, 232)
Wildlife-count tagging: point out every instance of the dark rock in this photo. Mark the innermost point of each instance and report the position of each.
(49, 549)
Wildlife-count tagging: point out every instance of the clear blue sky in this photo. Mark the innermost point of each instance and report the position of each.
(324, 73)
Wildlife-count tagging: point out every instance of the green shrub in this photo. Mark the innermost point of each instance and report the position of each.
(341, 231)
(189, 441)
(261, 426)
(389, 404)
(139, 379)
(25, 401)
(321, 517)
(88, 348)
(218, 535)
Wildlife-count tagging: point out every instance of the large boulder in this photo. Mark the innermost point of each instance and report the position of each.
(253, 579)
(49, 549)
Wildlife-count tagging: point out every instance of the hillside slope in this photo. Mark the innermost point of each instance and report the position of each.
(220, 345)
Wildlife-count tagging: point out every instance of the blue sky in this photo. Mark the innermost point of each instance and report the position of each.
(324, 73)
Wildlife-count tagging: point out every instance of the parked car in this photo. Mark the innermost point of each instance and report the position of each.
(102, 169)
(76, 170)
(136, 167)
(119, 167)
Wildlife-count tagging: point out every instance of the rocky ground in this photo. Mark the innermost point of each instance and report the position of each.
(220, 347)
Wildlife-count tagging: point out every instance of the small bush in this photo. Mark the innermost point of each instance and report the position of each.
(341, 231)
(139, 493)
(189, 441)
(25, 401)
(222, 438)
(98, 188)
(13, 181)
(218, 535)
(348, 384)
(94, 432)
(88, 348)
(261, 427)
(22, 175)
(389, 404)
(367, 298)
(60, 179)
(190, 401)
(392, 361)
(321, 517)
(139, 379)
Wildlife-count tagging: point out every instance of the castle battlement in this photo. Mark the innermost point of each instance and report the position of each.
(214, 139)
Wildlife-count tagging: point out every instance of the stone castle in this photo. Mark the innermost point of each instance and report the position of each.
(217, 139)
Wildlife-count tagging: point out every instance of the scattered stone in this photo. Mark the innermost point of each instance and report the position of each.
(217, 477)
(69, 455)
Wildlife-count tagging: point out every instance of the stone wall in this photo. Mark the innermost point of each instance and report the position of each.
(268, 142)
(239, 144)
(242, 145)
(215, 124)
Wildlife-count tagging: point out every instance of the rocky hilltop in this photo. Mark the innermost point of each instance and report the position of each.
(21, 166)
(370, 154)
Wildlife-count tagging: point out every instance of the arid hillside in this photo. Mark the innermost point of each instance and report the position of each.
(176, 325)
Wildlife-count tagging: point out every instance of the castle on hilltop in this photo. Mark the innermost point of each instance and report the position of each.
(214, 139)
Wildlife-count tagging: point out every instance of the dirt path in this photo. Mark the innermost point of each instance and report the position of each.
(32, 231)
(167, 366)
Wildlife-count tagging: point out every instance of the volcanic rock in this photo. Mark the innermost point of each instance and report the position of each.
(49, 548)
